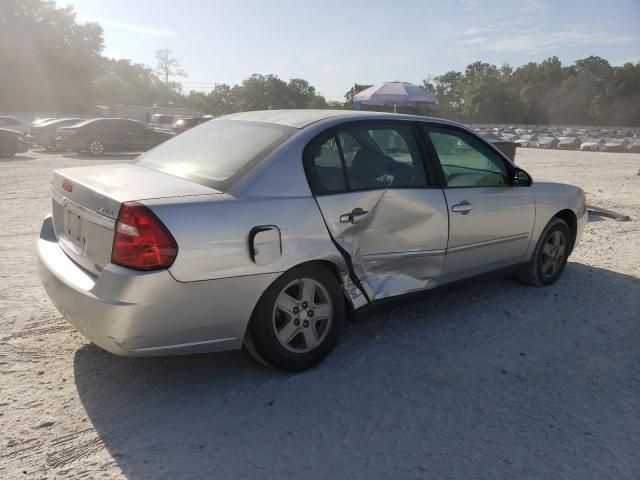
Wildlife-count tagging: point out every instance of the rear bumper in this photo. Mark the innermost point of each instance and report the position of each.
(147, 313)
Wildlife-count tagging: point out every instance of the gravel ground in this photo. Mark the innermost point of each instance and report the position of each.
(491, 380)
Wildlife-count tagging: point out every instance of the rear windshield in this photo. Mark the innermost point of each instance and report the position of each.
(218, 152)
(156, 118)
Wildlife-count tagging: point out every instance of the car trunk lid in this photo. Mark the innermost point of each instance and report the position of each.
(86, 202)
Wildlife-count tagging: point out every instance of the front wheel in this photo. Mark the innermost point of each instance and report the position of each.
(550, 256)
(298, 320)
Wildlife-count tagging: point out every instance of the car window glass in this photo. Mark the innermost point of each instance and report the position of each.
(381, 157)
(135, 127)
(107, 125)
(467, 162)
(216, 153)
(328, 167)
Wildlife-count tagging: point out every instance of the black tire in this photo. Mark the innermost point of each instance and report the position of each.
(261, 339)
(534, 272)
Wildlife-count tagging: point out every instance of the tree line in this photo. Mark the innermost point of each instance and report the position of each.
(51, 62)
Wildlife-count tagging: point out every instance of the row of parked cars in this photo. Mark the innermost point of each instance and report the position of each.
(594, 140)
(94, 136)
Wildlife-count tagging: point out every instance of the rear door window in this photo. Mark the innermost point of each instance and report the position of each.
(367, 157)
(328, 168)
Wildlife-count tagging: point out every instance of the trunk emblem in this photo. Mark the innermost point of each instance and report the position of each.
(105, 211)
(67, 186)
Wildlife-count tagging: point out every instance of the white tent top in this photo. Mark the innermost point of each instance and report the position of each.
(394, 93)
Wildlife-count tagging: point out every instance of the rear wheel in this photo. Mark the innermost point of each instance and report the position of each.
(298, 320)
(550, 256)
(95, 148)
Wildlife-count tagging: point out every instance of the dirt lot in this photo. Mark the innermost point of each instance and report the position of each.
(493, 380)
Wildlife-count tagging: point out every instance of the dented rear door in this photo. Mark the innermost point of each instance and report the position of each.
(372, 188)
(397, 244)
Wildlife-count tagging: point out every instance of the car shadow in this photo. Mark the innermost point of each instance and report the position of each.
(17, 157)
(493, 377)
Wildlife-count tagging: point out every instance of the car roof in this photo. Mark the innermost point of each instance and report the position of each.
(56, 120)
(8, 130)
(302, 117)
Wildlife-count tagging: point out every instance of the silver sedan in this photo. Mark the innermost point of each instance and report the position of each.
(264, 229)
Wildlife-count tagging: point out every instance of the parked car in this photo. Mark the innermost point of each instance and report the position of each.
(527, 141)
(592, 145)
(634, 146)
(12, 123)
(569, 143)
(615, 145)
(40, 121)
(185, 123)
(548, 142)
(161, 121)
(45, 133)
(12, 142)
(508, 148)
(265, 228)
(101, 135)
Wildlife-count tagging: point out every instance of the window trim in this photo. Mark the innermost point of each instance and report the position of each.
(333, 131)
(425, 127)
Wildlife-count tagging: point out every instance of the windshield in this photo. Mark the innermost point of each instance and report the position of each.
(218, 152)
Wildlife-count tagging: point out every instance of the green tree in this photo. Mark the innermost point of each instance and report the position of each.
(49, 61)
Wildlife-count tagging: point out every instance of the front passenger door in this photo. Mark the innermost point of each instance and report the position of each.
(490, 218)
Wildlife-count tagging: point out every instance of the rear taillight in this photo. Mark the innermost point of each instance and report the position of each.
(141, 241)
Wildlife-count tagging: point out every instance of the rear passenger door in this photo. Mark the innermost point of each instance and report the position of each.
(378, 203)
(110, 133)
(490, 218)
(138, 137)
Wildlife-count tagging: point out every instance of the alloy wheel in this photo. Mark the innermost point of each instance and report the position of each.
(96, 148)
(302, 315)
(553, 254)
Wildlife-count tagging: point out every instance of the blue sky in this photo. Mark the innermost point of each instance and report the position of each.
(336, 43)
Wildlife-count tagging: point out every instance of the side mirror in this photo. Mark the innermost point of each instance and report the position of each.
(521, 178)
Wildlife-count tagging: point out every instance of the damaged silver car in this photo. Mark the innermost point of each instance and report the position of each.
(265, 228)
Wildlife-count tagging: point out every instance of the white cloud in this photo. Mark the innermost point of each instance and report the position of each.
(141, 29)
(540, 41)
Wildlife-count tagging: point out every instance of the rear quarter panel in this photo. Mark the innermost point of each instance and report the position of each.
(213, 234)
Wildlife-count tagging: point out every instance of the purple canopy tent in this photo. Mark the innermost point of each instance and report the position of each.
(402, 94)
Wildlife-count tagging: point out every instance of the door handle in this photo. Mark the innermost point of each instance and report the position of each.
(352, 216)
(463, 207)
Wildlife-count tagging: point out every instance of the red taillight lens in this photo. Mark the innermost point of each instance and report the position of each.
(141, 241)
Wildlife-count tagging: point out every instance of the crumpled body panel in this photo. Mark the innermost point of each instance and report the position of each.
(398, 245)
